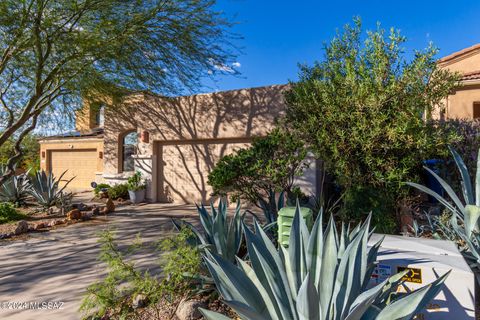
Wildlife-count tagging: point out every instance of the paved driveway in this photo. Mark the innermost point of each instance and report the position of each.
(57, 266)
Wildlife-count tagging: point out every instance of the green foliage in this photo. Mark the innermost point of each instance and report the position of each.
(219, 235)
(118, 191)
(56, 53)
(14, 189)
(318, 277)
(360, 110)
(31, 152)
(257, 172)
(464, 221)
(8, 213)
(135, 182)
(182, 264)
(100, 187)
(113, 296)
(359, 200)
(45, 188)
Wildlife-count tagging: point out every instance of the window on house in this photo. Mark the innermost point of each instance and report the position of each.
(100, 115)
(476, 110)
(129, 145)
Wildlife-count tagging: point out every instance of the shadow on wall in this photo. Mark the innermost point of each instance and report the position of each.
(188, 135)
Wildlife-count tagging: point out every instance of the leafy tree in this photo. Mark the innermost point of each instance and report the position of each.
(365, 109)
(258, 172)
(30, 152)
(52, 53)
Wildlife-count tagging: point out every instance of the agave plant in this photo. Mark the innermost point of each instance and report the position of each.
(45, 188)
(465, 214)
(221, 235)
(14, 189)
(319, 277)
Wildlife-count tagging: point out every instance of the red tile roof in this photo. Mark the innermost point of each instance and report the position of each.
(474, 75)
(459, 53)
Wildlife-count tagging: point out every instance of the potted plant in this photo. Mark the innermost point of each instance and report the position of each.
(136, 188)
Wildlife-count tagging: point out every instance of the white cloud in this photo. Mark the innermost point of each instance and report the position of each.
(236, 64)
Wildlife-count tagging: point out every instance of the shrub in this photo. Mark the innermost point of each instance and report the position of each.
(360, 110)
(464, 221)
(100, 187)
(44, 187)
(255, 173)
(318, 277)
(14, 189)
(466, 143)
(113, 296)
(135, 182)
(8, 213)
(118, 191)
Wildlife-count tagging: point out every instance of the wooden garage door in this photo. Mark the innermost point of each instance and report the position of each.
(81, 164)
(183, 173)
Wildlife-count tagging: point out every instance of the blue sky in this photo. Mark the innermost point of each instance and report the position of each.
(277, 35)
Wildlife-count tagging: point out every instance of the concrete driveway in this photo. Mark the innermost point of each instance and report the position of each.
(56, 267)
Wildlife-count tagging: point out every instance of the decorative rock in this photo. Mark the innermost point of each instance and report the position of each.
(74, 214)
(51, 223)
(95, 210)
(110, 205)
(139, 301)
(22, 227)
(188, 310)
(86, 215)
(39, 225)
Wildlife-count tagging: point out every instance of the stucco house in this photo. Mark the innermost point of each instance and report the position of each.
(173, 142)
(464, 102)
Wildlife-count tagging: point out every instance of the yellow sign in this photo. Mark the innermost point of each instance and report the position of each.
(414, 275)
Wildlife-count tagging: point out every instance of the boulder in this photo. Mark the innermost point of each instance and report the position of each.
(139, 301)
(95, 210)
(39, 225)
(51, 223)
(110, 205)
(87, 215)
(74, 214)
(188, 310)
(22, 227)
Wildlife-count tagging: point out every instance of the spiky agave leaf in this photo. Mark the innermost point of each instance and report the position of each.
(310, 279)
(221, 235)
(44, 187)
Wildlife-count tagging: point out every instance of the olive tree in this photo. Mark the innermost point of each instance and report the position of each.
(55, 53)
(365, 108)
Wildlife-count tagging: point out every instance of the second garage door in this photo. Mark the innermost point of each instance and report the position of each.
(81, 164)
(184, 168)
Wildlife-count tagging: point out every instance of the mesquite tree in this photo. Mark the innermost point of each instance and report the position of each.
(55, 52)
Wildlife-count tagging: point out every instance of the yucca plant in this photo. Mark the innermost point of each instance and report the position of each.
(221, 235)
(44, 187)
(319, 277)
(465, 214)
(14, 189)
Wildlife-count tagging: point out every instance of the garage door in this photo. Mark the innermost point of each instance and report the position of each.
(183, 173)
(81, 164)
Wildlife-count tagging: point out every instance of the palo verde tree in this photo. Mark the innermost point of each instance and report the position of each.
(55, 52)
(365, 109)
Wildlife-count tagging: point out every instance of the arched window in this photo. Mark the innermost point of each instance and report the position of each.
(100, 115)
(129, 145)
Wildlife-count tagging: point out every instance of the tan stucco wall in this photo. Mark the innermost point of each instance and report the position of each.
(70, 144)
(217, 118)
(459, 104)
(230, 114)
(464, 64)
